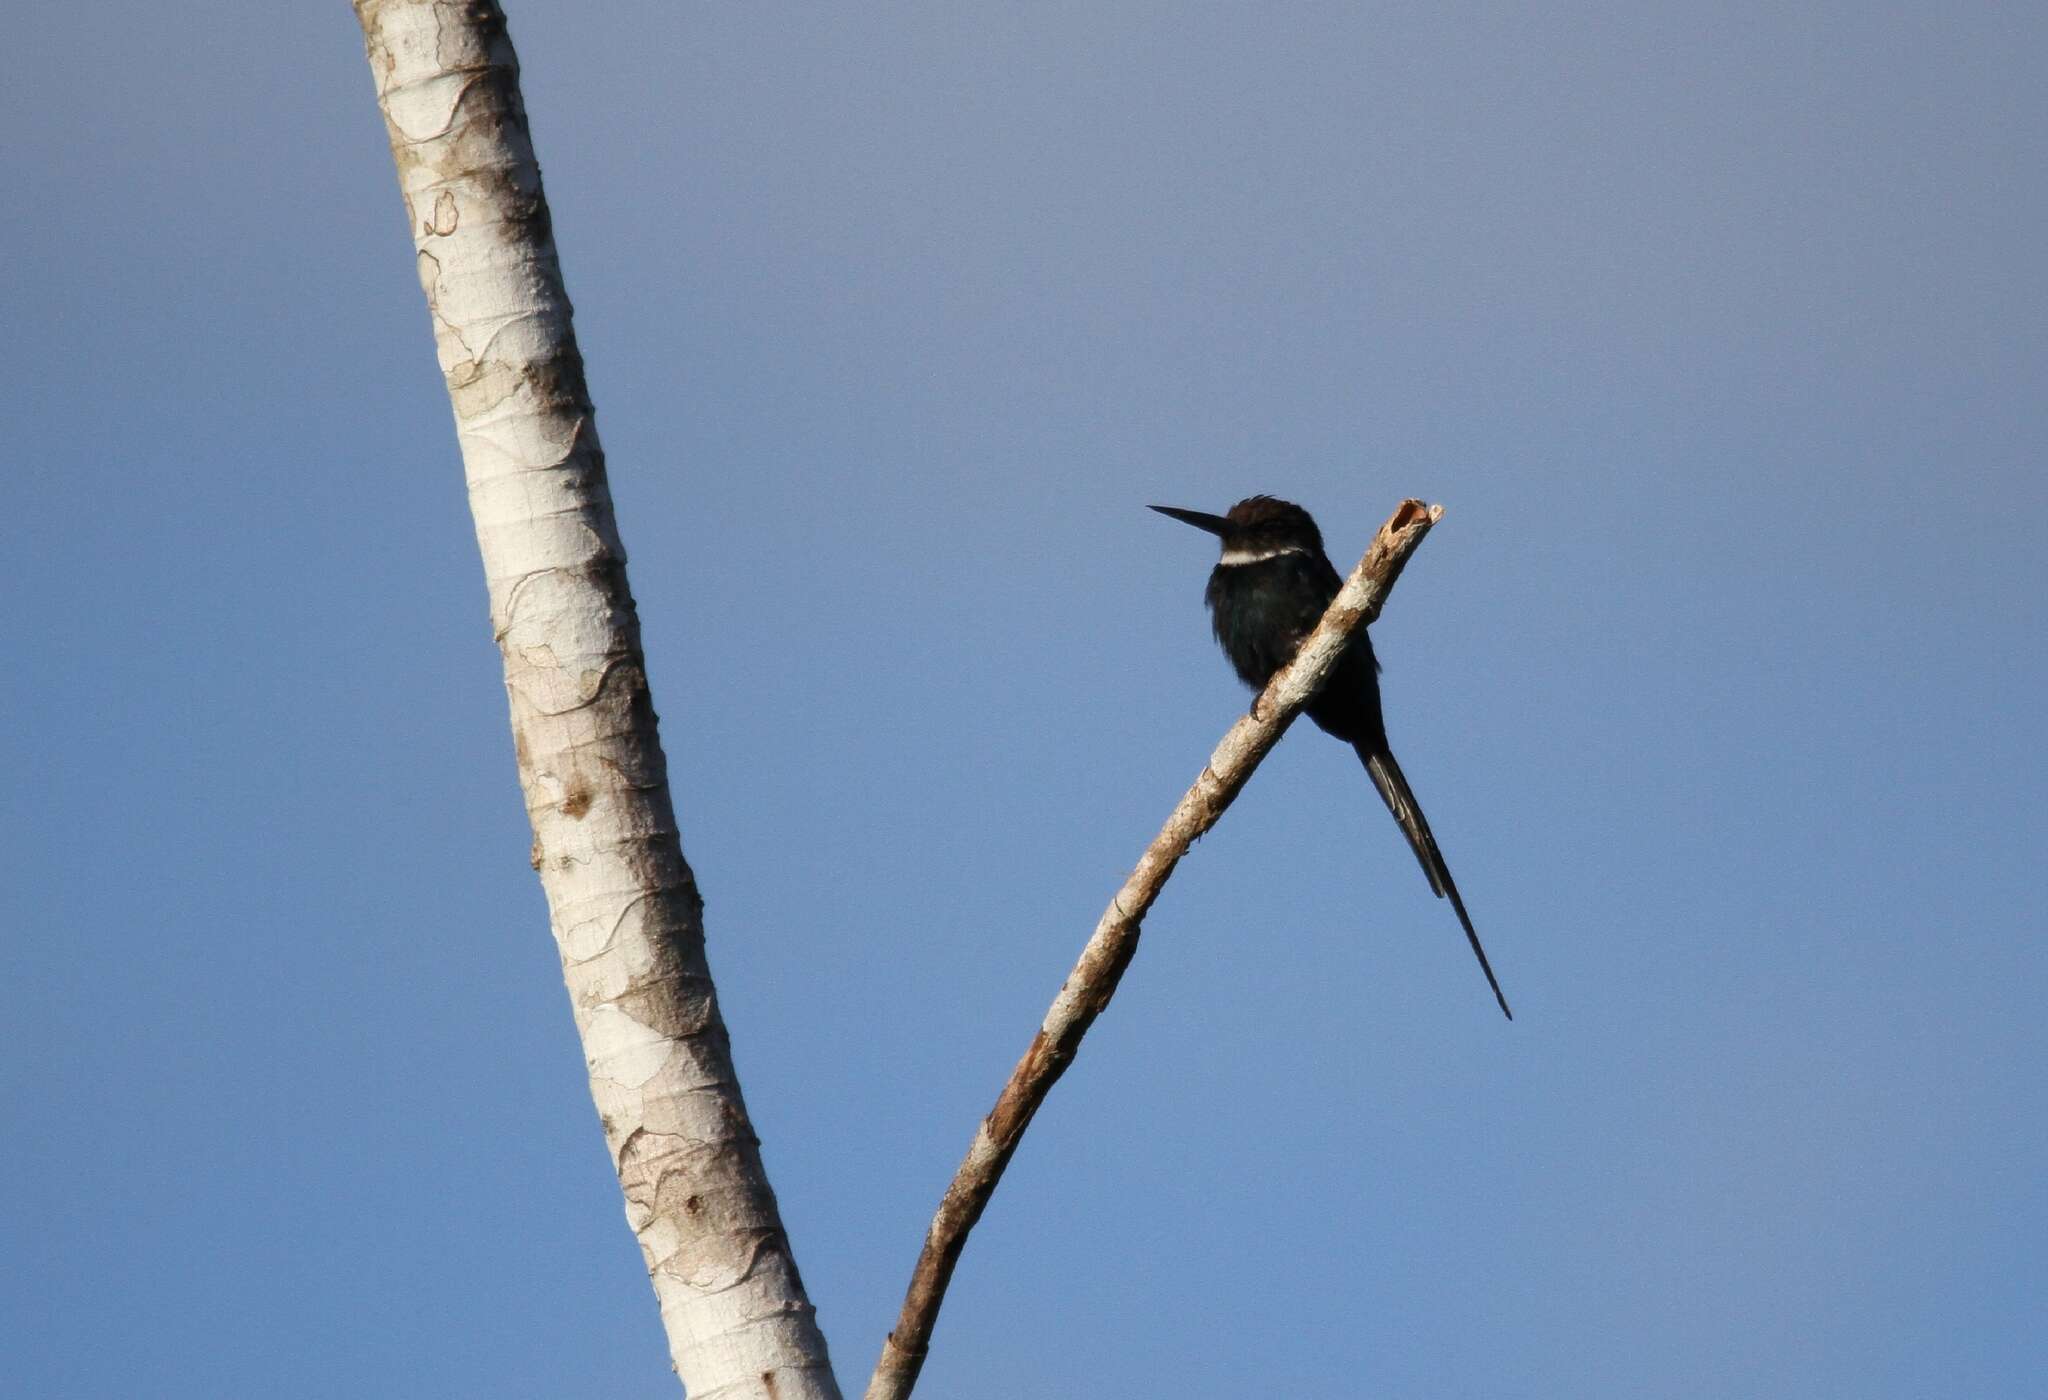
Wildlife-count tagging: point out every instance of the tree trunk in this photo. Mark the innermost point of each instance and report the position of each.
(624, 906)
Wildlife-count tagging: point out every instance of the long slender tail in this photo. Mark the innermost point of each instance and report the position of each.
(1400, 799)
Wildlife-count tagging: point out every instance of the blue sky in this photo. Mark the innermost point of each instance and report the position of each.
(1719, 331)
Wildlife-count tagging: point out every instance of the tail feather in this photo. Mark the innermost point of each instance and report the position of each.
(1400, 799)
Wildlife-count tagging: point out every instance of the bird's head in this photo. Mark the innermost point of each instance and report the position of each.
(1258, 527)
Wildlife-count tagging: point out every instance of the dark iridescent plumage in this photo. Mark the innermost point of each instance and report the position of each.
(1265, 596)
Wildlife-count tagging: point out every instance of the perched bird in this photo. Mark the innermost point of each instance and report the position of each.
(1265, 596)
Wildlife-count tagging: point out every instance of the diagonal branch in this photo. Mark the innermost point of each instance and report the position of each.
(1093, 981)
(622, 901)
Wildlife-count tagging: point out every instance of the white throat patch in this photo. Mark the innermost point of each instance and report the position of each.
(1256, 556)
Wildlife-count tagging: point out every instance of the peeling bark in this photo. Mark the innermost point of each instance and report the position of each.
(622, 901)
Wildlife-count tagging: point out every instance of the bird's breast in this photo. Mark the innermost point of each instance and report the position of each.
(1261, 611)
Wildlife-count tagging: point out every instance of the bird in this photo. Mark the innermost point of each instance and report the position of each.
(1267, 592)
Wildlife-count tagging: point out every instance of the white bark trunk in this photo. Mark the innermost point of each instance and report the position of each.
(624, 906)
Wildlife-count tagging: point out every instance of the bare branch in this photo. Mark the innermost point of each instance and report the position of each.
(1093, 981)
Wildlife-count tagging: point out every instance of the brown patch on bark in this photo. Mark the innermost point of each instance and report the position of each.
(1409, 512)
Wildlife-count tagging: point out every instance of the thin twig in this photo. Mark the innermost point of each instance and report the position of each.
(1093, 981)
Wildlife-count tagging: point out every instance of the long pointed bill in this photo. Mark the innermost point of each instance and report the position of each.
(1201, 520)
